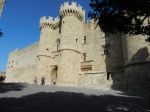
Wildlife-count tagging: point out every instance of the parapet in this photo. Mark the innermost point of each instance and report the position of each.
(26, 49)
(14, 51)
(72, 8)
(92, 23)
(29, 47)
(49, 22)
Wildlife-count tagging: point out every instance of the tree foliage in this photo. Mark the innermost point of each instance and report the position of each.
(1, 33)
(123, 16)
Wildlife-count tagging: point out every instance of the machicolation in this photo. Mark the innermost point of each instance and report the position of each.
(49, 22)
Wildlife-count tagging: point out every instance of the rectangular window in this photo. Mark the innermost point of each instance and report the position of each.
(106, 49)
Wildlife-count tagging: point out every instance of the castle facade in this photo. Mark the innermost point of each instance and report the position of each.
(77, 54)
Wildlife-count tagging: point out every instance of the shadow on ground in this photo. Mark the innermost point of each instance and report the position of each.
(6, 87)
(72, 102)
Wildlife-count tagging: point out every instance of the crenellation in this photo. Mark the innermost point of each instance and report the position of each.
(50, 20)
(74, 4)
(80, 7)
(16, 50)
(66, 4)
(17, 55)
(26, 49)
(56, 19)
(89, 23)
(67, 9)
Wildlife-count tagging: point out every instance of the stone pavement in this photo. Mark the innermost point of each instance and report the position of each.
(17, 97)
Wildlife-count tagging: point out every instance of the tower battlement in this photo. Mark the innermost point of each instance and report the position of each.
(50, 19)
(49, 22)
(72, 9)
(73, 5)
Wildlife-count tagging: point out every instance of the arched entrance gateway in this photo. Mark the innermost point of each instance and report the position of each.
(53, 75)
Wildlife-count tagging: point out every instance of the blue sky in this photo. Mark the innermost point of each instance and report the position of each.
(20, 23)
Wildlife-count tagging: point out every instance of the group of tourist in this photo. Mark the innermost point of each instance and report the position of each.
(53, 82)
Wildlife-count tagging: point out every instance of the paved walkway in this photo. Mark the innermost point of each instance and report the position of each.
(38, 98)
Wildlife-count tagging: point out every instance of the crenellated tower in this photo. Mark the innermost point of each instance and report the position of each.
(48, 27)
(72, 10)
(72, 21)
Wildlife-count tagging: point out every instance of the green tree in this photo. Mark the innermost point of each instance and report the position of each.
(123, 16)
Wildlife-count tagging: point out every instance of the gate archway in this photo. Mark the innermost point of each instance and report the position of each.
(53, 73)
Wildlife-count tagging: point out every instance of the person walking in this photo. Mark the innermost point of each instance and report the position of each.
(35, 80)
(43, 80)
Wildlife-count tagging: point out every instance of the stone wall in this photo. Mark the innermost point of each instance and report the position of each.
(68, 68)
(71, 33)
(93, 46)
(21, 66)
(137, 77)
(136, 49)
(137, 59)
(114, 56)
(96, 79)
(117, 79)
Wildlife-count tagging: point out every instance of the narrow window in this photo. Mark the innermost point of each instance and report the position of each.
(76, 40)
(57, 46)
(84, 39)
(106, 49)
(58, 43)
(108, 74)
(84, 56)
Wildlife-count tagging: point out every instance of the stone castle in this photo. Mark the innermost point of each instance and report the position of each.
(75, 53)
